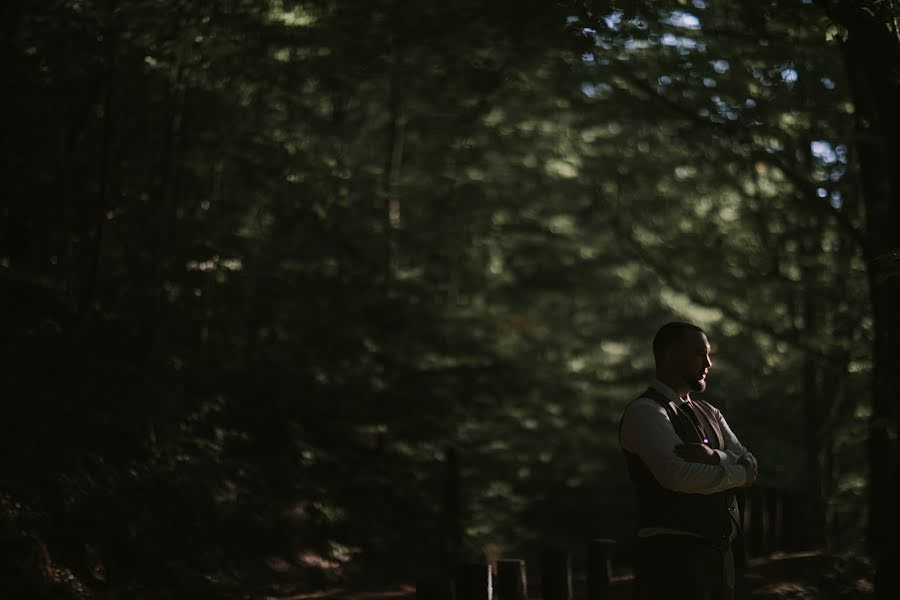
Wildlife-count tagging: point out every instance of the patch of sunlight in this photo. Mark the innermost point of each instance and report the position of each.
(633, 44)
(679, 41)
(613, 20)
(296, 16)
(729, 328)
(788, 589)
(849, 483)
(475, 531)
(629, 273)
(789, 75)
(576, 365)
(498, 489)
(823, 150)
(728, 214)
(331, 513)
(787, 120)
(409, 274)
(859, 366)
(494, 117)
(685, 172)
(474, 174)
(863, 411)
(596, 90)
(609, 130)
(683, 20)
(342, 552)
(609, 187)
(214, 263)
(562, 224)
(615, 348)
(282, 55)
(495, 263)
(317, 561)
(404, 449)
(498, 446)
(680, 304)
(561, 168)
(501, 217)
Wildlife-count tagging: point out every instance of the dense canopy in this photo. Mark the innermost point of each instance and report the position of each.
(364, 287)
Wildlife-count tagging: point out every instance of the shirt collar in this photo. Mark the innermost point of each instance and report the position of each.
(666, 391)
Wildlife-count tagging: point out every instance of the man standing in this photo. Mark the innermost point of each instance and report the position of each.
(684, 462)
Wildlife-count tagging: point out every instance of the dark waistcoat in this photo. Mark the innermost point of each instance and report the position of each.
(712, 516)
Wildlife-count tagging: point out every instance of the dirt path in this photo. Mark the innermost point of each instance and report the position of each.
(796, 576)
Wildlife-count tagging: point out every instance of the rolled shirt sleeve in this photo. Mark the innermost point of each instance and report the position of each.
(733, 447)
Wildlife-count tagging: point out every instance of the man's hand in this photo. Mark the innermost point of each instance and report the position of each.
(752, 471)
(697, 453)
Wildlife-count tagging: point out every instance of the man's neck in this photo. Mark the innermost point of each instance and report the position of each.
(679, 388)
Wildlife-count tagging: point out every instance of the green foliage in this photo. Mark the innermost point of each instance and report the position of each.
(264, 263)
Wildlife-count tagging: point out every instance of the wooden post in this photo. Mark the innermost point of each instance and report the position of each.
(511, 579)
(599, 568)
(473, 582)
(774, 510)
(435, 588)
(756, 532)
(452, 501)
(739, 547)
(787, 521)
(556, 575)
(791, 521)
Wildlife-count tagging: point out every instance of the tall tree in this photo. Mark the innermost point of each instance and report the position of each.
(869, 34)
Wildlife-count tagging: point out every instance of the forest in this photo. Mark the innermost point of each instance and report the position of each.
(339, 293)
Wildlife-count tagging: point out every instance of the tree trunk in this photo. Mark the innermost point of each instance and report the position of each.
(393, 160)
(872, 54)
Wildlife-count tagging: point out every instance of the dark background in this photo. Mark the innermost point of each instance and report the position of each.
(348, 291)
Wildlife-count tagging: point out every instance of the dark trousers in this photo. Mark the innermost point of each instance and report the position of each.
(681, 567)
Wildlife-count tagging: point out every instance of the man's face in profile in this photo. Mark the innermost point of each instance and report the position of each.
(693, 360)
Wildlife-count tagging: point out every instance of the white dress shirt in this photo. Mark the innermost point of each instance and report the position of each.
(647, 432)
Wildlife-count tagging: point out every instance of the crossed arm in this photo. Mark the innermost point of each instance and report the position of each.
(734, 454)
(691, 468)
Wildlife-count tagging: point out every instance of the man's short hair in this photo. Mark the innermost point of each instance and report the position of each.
(669, 335)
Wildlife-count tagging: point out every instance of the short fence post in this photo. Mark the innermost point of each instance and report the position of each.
(756, 516)
(435, 588)
(790, 521)
(511, 580)
(556, 575)
(739, 547)
(774, 509)
(599, 568)
(473, 582)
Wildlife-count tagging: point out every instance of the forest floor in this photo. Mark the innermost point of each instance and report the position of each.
(781, 576)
